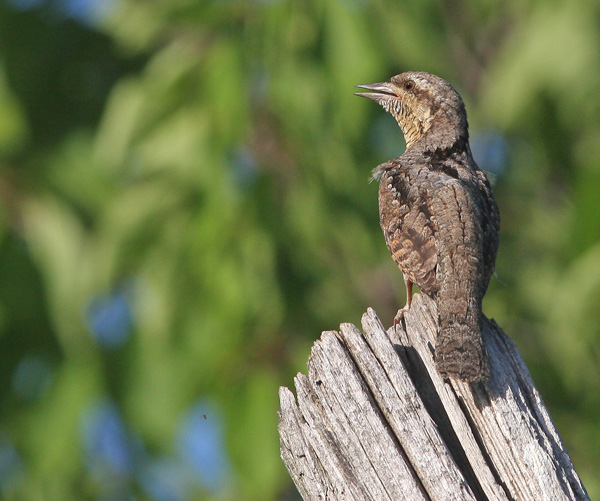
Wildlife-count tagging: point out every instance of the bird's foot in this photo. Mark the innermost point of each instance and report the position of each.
(399, 318)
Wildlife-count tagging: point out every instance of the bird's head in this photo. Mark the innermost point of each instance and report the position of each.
(423, 105)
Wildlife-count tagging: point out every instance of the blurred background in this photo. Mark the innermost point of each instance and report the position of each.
(185, 206)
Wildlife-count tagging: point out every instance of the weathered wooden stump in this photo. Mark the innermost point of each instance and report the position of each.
(375, 421)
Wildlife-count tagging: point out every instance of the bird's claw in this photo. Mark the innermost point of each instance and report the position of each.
(399, 318)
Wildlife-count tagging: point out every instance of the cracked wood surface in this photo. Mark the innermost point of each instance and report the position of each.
(373, 420)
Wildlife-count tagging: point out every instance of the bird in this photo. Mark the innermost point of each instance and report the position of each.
(438, 215)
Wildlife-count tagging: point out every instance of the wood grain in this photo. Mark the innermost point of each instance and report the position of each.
(373, 420)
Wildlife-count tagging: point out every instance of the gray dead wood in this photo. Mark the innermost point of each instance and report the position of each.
(373, 420)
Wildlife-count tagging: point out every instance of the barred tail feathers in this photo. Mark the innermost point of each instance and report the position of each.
(460, 352)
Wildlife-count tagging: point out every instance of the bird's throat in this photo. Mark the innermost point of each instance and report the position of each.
(413, 131)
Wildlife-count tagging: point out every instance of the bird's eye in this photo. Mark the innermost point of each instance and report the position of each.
(409, 85)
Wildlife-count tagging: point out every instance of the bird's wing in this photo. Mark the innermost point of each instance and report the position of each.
(491, 226)
(408, 226)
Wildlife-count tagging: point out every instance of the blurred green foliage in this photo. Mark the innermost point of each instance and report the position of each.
(184, 206)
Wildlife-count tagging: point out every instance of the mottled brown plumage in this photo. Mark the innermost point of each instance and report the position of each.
(438, 214)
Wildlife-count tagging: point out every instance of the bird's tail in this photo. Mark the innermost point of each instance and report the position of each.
(460, 352)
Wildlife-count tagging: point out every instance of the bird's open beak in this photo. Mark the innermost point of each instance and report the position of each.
(382, 91)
